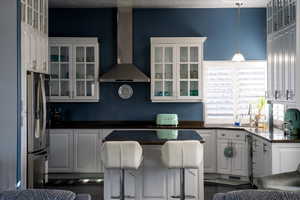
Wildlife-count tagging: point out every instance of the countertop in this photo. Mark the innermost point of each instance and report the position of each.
(123, 125)
(277, 136)
(150, 137)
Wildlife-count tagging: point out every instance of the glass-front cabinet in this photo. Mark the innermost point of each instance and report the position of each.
(74, 68)
(280, 14)
(190, 72)
(60, 63)
(34, 35)
(163, 77)
(176, 69)
(282, 53)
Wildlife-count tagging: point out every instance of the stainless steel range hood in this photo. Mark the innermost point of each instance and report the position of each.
(124, 70)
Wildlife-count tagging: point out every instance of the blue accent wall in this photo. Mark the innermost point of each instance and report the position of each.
(219, 25)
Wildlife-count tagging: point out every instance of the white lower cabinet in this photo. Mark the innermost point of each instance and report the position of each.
(224, 163)
(274, 158)
(262, 157)
(285, 157)
(87, 150)
(61, 150)
(237, 163)
(75, 151)
(210, 153)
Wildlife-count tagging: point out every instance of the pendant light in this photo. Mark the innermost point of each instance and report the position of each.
(238, 57)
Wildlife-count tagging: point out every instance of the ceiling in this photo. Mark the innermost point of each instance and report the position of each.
(154, 3)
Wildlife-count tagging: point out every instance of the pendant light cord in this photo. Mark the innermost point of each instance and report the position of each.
(239, 26)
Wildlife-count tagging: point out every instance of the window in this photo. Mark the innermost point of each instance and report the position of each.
(230, 87)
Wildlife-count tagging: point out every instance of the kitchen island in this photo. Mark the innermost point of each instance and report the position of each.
(153, 180)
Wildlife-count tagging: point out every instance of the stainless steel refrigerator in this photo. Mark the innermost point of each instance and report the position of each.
(37, 134)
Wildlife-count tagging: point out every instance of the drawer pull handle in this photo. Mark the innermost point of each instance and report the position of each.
(223, 134)
(238, 135)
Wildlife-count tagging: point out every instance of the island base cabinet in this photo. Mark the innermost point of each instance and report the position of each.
(153, 181)
(153, 175)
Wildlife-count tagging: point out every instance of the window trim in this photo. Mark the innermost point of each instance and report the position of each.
(229, 63)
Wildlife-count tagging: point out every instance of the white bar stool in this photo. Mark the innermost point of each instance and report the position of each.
(121, 155)
(182, 155)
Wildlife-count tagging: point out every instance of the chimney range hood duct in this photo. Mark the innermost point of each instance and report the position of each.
(124, 70)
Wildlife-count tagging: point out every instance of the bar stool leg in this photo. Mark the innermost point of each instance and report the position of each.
(122, 185)
(182, 184)
(182, 195)
(122, 195)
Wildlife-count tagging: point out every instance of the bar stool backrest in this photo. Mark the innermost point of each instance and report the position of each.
(182, 154)
(121, 155)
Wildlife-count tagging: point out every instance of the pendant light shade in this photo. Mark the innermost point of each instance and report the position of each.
(238, 56)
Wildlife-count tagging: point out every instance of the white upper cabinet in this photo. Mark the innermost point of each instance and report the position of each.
(74, 69)
(34, 35)
(177, 69)
(282, 27)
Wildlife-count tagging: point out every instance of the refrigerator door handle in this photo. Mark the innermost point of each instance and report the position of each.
(37, 117)
(44, 104)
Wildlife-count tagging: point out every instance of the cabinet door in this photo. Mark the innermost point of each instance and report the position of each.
(26, 50)
(87, 151)
(240, 163)
(258, 158)
(86, 72)
(285, 158)
(33, 50)
(36, 14)
(270, 71)
(163, 72)
(29, 17)
(267, 158)
(276, 64)
(45, 55)
(224, 163)
(40, 53)
(210, 154)
(190, 72)
(60, 70)
(281, 68)
(61, 150)
(154, 177)
(291, 59)
(23, 10)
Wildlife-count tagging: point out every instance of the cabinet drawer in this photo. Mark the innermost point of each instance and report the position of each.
(238, 135)
(223, 135)
(234, 135)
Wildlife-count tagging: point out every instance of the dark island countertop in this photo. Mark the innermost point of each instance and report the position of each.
(277, 136)
(123, 125)
(148, 137)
